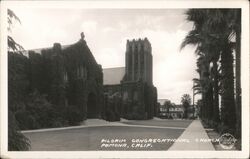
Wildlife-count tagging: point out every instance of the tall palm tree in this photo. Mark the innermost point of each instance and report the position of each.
(236, 27)
(212, 50)
(212, 33)
(221, 26)
(198, 36)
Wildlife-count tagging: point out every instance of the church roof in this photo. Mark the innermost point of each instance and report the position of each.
(39, 50)
(161, 101)
(112, 76)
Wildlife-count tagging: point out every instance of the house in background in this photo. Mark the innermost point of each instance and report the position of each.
(176, 111)
(163, 111)
(172, 112)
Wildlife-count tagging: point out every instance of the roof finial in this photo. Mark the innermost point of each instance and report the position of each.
(82, 36)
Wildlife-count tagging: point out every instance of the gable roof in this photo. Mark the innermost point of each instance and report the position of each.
(39, 50)
(161, 101)
(112, 76)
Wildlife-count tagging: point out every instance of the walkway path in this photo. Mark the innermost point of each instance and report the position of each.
(197, 137)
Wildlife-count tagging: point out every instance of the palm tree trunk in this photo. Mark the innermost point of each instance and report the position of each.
(215, 93)
(204, 106)
(210, 103)
(228, 114)
(238, 74)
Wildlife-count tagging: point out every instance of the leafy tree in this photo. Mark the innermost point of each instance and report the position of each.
(12, 44)
(16, 83)
(186, 102)
(167, 104)
(16, 140)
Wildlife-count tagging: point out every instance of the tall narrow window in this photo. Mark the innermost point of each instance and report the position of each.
(65, 77)
(82, 72)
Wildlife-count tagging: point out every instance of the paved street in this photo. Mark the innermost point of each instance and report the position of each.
(99, 137)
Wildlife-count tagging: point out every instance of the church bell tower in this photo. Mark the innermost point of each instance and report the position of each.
(139, 61)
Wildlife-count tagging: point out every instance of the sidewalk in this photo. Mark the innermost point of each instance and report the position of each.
(197, 137)
(84, 124)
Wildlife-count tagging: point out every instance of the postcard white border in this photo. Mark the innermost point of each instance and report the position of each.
(243, 4)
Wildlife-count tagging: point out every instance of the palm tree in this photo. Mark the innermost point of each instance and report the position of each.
(212, 33)
(220, 26)
(198, 36)
(207, 94)
(198, 89)
(236, 27)
(215, 74)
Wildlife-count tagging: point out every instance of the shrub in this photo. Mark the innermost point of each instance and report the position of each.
(192, 117)
(110, 115)
(58, 122)
(38, 113)
(16, 140)
(26, 120)
(73, 115)
(43, 112)
(117, 116)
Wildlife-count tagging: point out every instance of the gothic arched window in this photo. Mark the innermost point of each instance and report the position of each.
(82, 72)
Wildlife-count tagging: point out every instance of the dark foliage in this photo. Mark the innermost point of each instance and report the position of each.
(212, 33)
(72, 115)
(16, 140)
(186, 102)
(17, 88)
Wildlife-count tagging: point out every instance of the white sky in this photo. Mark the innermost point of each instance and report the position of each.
(106, 32)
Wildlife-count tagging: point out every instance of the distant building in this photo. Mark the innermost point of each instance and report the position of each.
(176, 111)
(172, 112)
(163, 111)
(129, 90)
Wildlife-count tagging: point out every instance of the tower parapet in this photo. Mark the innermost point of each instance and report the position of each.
(138, 44)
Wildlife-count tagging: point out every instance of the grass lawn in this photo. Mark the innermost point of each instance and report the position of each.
(89, 138)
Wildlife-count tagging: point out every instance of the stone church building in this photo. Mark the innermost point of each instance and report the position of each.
(129, 90)
(71, 78)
